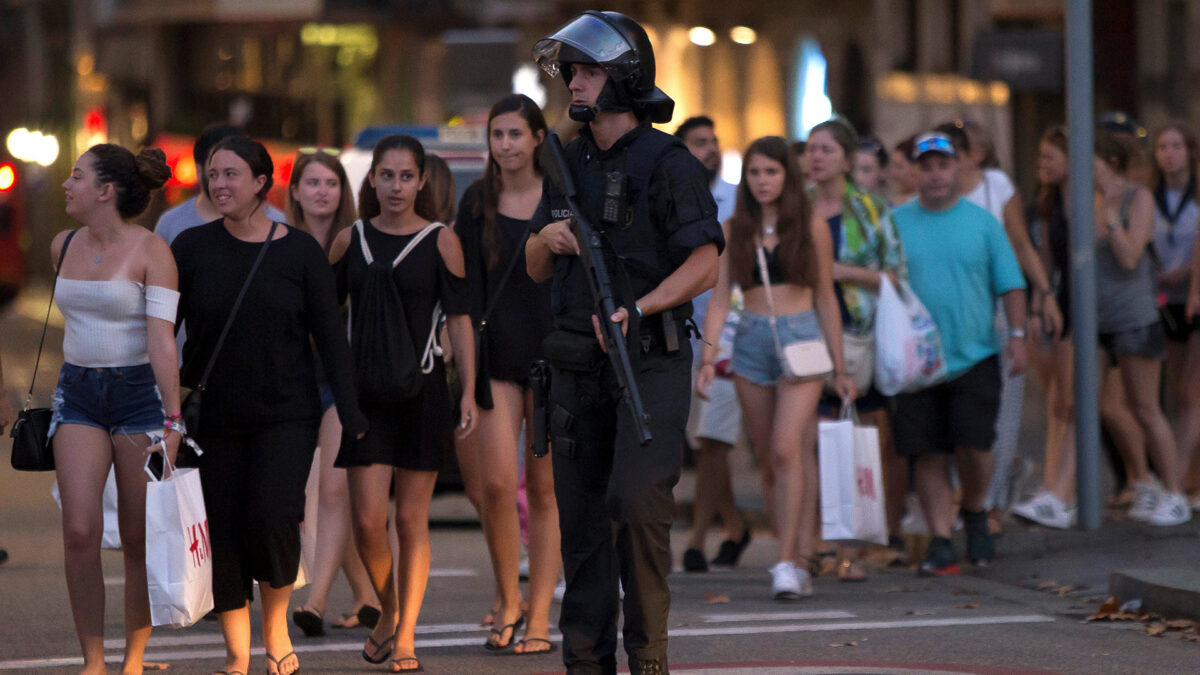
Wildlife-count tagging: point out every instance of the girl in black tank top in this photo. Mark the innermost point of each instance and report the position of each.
(512, 316)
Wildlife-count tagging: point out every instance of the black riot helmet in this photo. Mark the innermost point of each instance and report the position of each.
(618, 44)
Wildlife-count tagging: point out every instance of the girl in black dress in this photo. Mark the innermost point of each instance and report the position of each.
(493, 223)
(258, 424)
(406, 439)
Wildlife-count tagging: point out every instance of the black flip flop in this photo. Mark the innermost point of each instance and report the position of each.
(513, 652)
(515, 626)
(309, 621)
(382, 650)
(369, 616)
(276, 661)
(418, 669)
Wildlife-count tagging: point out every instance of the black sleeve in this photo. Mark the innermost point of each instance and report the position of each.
(329, 335)
(683, 205)
(183, 265)
(469, 228)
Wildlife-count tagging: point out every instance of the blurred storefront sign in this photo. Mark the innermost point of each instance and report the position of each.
(1026, 60)
(267, 9)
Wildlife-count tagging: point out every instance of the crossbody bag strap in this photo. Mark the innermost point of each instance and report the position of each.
(212, 360)
(766, 282)
(62, 255)
(512, 264)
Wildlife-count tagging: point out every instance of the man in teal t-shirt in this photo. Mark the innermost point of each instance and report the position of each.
(959, 263)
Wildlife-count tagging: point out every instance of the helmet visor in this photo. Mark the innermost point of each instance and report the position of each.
(591, 35)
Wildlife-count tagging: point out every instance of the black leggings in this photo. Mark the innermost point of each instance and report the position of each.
(254, 493)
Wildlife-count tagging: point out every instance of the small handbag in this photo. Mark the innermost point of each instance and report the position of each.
(483, 380)
(190, 409)
(802, 359)
(31, 449)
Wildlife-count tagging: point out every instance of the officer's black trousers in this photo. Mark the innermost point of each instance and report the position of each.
(615, 504)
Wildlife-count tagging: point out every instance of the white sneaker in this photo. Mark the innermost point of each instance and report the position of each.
(1045, 508)
(1172, 510)
(1145, 500)
(789, 582)
(913, 521)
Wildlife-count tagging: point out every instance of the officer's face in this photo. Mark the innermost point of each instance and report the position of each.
(702, 141)
(764, 178)
(937, 178)
(586, 82)
(397, 180)
(511, 142)
(827, 159)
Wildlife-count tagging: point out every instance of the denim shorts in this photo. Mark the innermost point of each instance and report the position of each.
(754, 354)
(122, 400)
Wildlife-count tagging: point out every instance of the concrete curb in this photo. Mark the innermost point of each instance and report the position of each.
(1171, 592)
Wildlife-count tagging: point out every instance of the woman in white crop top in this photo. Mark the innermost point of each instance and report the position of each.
(116, 289)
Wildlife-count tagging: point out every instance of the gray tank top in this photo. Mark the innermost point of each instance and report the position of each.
(1124, 298)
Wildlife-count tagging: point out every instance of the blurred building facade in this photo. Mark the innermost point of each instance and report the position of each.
(304, 72)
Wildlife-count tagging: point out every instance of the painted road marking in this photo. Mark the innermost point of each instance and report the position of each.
(216, 639)
(427, 643)
(777, 616)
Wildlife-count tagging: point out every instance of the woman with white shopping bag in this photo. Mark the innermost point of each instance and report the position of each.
(782, 258)
(256, 296)
(116, 289)
(866, 247)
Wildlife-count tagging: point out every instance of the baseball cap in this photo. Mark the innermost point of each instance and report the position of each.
(933, 142)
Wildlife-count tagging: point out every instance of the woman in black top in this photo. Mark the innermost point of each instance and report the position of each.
(493, 224)
(407, 439)
(258, 424)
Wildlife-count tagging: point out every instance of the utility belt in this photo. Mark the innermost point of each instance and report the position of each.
(580, 352)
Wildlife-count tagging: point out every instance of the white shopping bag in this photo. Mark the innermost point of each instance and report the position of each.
(178, 556)
(111, 538)
(308, 528)
(851, 481)
(908, 346)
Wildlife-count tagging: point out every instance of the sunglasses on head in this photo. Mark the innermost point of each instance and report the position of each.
(934, 144)
(312, 150)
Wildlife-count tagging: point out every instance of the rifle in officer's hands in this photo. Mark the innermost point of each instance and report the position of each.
(591, 256)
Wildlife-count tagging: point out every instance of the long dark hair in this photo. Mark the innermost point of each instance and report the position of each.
(133, 177)
(368, 200)
(1160, 179)
(1049, 197)
(488, 205)
(795, 234)
(435, 202)
(344, 216)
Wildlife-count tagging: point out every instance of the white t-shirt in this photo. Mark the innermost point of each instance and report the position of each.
(993, 192)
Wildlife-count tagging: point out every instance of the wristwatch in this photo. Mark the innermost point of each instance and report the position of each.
(1018, 333)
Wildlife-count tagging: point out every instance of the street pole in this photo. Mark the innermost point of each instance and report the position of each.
(1083, 260)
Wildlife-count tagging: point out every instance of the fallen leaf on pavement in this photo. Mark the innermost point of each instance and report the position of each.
(715, 598)
(1063, 590)
(1047, 586)
(1156, 629)
(155, 665)
(1190, 636)
(1181, 624)
(967, 605)
(1107, 611)
(843, 644)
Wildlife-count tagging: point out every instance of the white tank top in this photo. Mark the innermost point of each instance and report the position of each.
(106, 320)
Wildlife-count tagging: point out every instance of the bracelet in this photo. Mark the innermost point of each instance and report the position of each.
(175, 416)
(1017, 333)
(638, 310)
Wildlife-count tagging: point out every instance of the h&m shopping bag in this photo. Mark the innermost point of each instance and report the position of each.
(852, 507)
(178, 557)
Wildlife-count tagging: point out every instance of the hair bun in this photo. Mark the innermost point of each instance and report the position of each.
(152, 167)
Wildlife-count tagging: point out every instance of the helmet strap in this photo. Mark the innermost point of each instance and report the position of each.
(612, 99)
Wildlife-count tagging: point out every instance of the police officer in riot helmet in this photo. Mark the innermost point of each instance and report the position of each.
(648, 197)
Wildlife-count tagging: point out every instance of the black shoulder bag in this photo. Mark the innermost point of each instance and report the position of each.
(190, 410)
(31, 449)
(483, 382)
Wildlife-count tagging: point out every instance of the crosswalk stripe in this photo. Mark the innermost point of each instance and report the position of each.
(777, 616)
(428, 643)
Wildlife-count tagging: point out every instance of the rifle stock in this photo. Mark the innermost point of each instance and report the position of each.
(591, 256)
